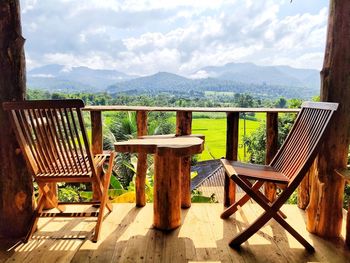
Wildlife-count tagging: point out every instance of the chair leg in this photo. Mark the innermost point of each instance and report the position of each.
(294, 233)
(35, 218)
(270, 212)
(51, 197)
(104, 197)
(249, 231)
(233, 208)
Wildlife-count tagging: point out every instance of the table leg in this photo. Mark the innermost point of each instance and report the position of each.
(186, 182)
(167, 192)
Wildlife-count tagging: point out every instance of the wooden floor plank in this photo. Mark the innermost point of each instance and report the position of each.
(127, 235)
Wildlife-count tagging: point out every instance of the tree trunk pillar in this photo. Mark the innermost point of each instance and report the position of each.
(184, 127)
(167, 191)
(324, 213)
(96, 132)
(232, 128)
(16, 187)
(271, 149)
(96, 144)
(304, 189)
(140, 181)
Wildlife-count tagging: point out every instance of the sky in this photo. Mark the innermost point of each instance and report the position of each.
(143, 37)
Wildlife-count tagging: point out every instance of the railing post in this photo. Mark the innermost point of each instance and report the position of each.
(141, 121)
(96, 143)
(96, 132)
(231, 154)
(271, 149)
(184, 127)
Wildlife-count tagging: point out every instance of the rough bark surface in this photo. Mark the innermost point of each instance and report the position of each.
(271, 149)
(324, 213)
(232, 132)
(141, 120)
(16, 206)
(304, 189)
(184, 127)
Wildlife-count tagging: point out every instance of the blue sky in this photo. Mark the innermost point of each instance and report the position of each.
(145, 37)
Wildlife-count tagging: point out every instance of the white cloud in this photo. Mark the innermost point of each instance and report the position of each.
(144, 37)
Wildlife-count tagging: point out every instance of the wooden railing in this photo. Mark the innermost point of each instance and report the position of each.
(184, 127)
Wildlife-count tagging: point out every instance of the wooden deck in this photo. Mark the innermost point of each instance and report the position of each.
(127, 236)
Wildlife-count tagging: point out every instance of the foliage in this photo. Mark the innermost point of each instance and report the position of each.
(71, 192)
(256, 141)
(198, 197)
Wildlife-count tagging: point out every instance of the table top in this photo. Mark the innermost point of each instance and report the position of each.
(163, 144)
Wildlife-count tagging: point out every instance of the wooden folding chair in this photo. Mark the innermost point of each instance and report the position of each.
(287, 170)
(53, 140)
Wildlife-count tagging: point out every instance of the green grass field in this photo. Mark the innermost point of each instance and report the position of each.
(213, 127)
(215, 136)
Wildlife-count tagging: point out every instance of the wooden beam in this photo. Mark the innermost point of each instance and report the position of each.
(141, 121)
(232, 129)
(184, 127)
(271, 149)
(16, 187)
(96, 132)
(324, 212)
(345, 175)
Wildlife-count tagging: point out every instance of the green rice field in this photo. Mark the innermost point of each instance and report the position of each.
(215, 136)
(213, 127)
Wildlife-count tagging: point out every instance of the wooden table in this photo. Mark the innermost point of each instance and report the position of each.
(168, 151)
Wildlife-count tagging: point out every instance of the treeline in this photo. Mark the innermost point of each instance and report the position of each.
(212, 99)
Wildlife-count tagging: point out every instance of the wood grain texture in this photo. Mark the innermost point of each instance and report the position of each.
(180, 146)
(232, 133)
(167, 192)
(184, 127)
(96, 132)
(128, 236)
(53, 140)
(16, 190)
(271, 149)
(140, 181)
(325, 207)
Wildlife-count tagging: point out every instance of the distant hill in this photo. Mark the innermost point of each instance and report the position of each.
(58, 78)
(250, 73)
(162, 81)
(260, 81)
(167, 82)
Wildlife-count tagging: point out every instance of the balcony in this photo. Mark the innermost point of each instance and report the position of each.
(127, 236)
(127, 233)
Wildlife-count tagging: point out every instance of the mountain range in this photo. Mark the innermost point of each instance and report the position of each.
(265, 81)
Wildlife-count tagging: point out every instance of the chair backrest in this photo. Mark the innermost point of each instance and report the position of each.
(52, 136)
(304, 139)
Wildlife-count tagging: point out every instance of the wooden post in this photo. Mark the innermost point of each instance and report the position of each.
(167, 191)
(141, 120)
(96, 132)
(96, 143)
(347, 235)
(184, 127)
(16, 187)
(271, 149)
(324, 212)
(231, 154)
(304, 188)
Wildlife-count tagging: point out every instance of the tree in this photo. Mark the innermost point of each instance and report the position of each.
(16, 188)
(324, 212)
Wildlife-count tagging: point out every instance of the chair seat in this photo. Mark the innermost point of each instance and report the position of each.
(98, 160)
(255, 171)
